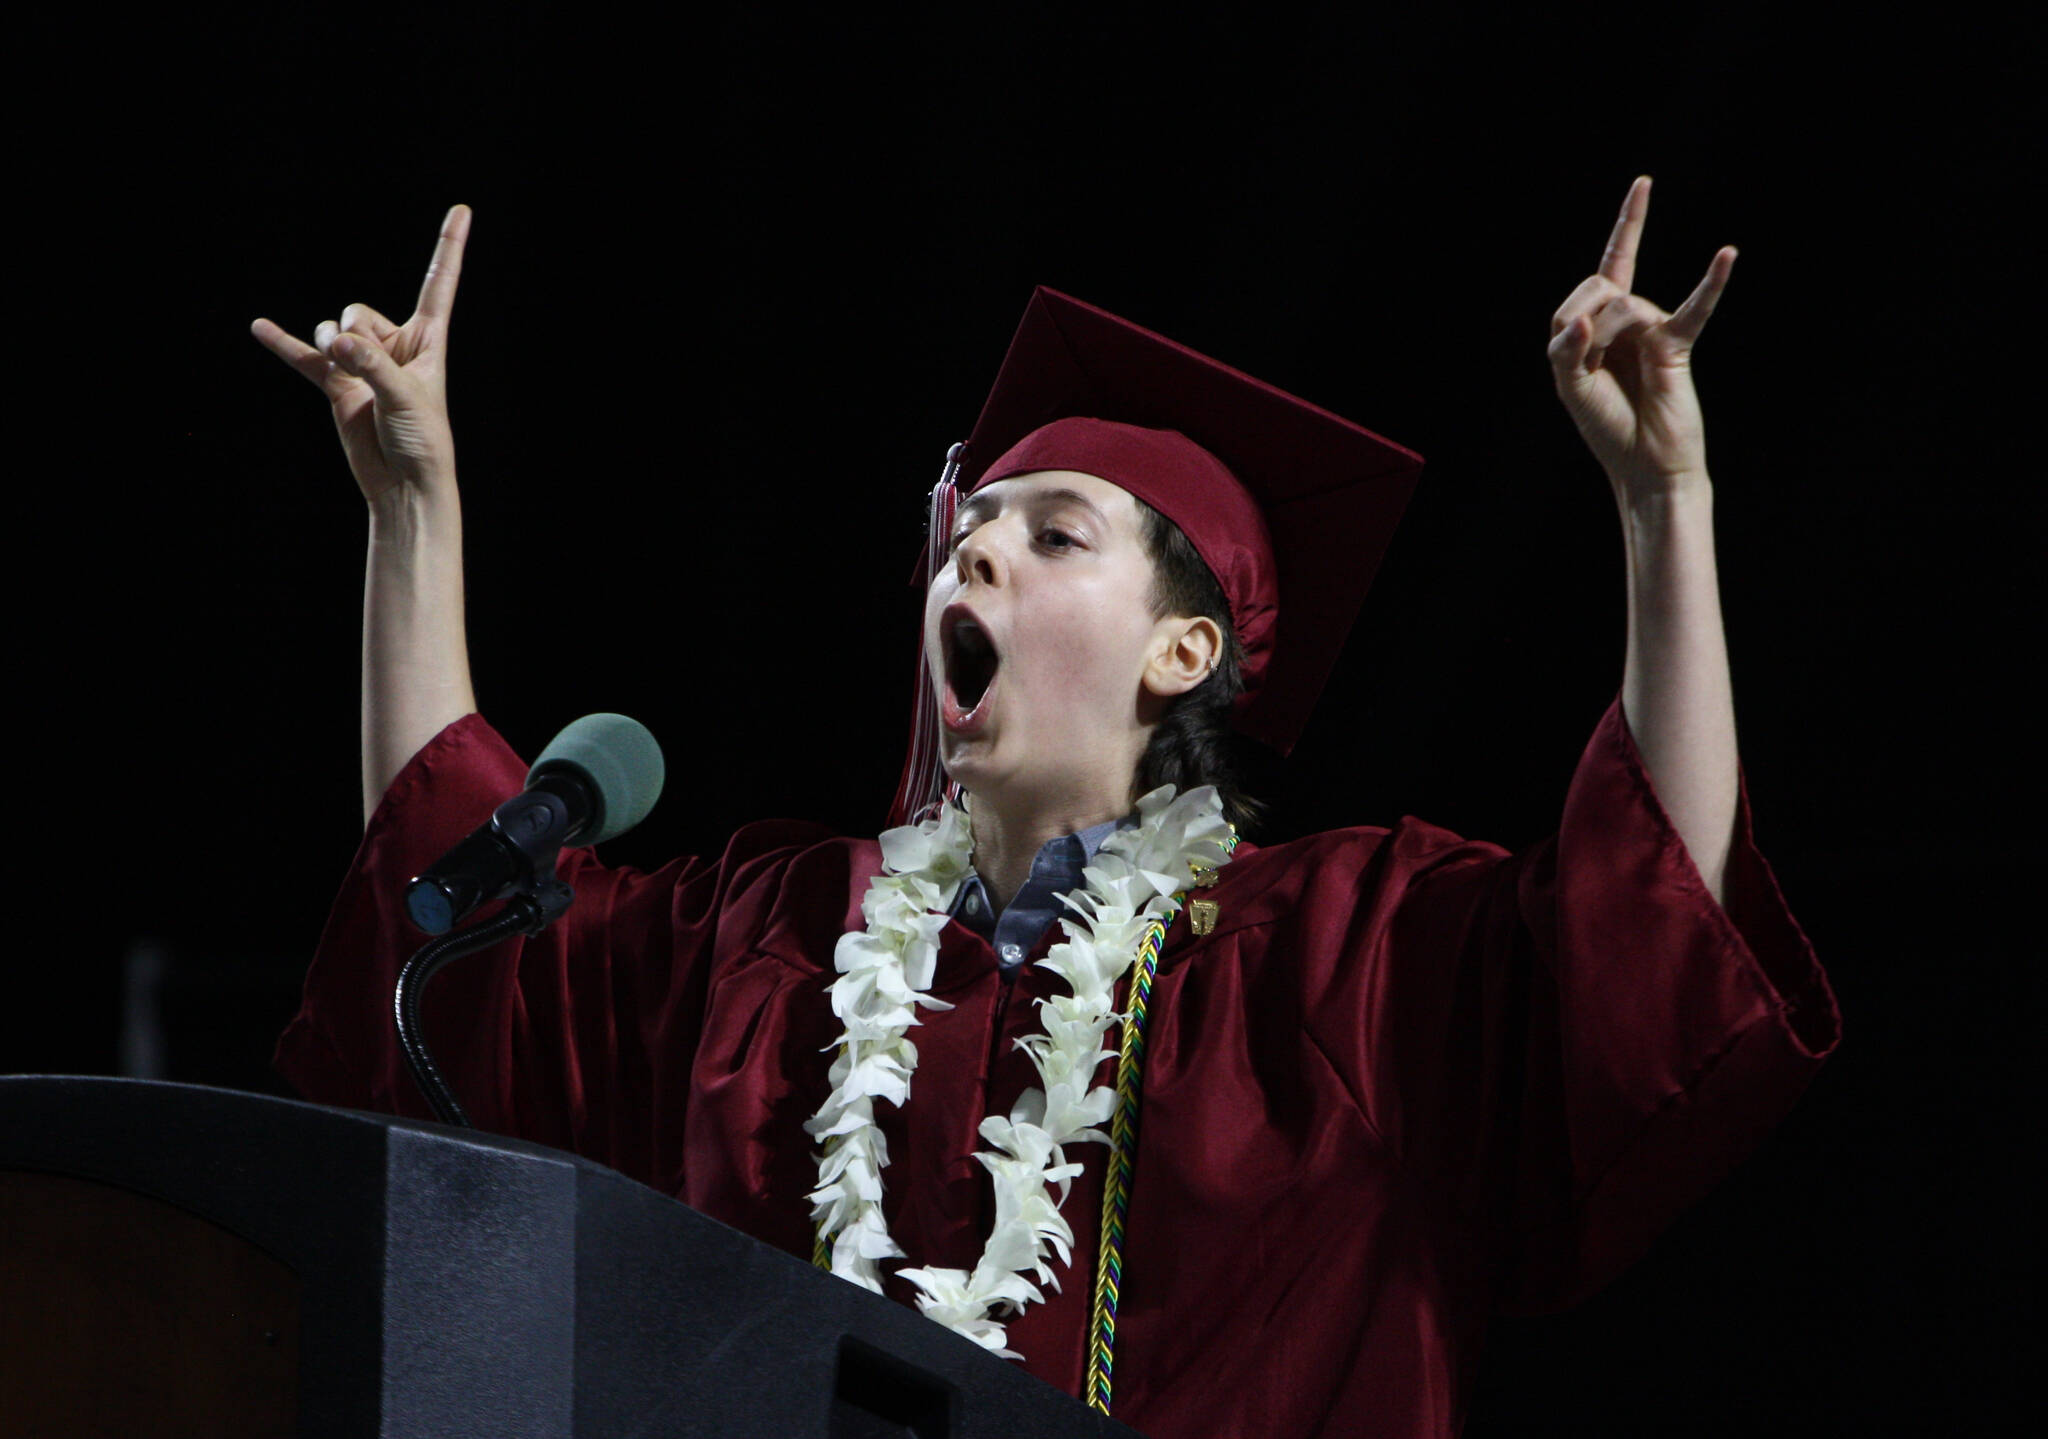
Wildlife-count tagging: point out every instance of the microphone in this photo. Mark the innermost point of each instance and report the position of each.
(596, 779)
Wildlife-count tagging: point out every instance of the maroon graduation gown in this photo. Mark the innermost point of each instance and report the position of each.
(1410, 1080)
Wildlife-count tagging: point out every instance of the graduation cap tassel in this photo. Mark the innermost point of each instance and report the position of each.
(945, 498)
(922, 784)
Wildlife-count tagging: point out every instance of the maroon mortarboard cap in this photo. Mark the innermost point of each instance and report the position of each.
(1290, 506)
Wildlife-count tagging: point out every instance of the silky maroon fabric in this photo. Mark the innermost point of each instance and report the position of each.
(1408, 1082)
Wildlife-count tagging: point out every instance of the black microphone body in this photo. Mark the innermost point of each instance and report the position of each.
(512, 853)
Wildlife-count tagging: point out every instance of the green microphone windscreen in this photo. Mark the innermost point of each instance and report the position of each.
(622, 762)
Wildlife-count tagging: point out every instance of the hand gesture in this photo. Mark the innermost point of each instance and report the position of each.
(1623, 367)
(388, 383)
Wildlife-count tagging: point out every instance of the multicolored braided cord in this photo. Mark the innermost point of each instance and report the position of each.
(1123, 1136)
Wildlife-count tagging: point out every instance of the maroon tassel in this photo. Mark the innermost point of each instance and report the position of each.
(923, 781)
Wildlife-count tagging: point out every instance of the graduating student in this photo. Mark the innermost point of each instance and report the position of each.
(1059, 1059)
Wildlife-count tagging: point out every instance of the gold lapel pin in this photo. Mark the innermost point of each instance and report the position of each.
(1202, 913)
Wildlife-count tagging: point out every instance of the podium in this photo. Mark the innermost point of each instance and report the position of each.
(182, 1260)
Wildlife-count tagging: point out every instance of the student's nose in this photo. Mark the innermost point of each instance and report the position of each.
(980, 557)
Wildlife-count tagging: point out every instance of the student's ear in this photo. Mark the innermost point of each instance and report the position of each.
(1184, 653)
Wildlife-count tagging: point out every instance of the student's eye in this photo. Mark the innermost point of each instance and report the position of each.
(1056, 539)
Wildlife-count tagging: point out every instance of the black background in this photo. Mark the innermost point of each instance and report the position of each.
(731, 292)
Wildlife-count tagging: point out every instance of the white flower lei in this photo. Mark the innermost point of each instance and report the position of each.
(885, 971)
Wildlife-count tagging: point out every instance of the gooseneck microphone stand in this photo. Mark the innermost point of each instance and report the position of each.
(526, 913)
(514, 858)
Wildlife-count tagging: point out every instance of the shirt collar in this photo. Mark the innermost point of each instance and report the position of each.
(1055, 870)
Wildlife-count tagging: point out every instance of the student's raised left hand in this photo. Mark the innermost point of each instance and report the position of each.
(1623, 367)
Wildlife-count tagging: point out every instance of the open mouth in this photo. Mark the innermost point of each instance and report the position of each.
(971, 664)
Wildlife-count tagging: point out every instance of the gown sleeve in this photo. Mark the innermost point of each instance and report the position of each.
(1568, 1046)
(581, 1037)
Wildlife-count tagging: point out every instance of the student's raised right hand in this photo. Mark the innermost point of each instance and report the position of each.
(387, 383)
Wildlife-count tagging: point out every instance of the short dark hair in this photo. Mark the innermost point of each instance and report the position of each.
(1193, 744)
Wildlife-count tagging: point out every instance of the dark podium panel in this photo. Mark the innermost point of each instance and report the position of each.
(176, 1259)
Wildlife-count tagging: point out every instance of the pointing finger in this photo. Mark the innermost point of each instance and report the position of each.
(437, 292)
(1618, 263)
(287, 347)
(1691, 317)
(293, 351)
